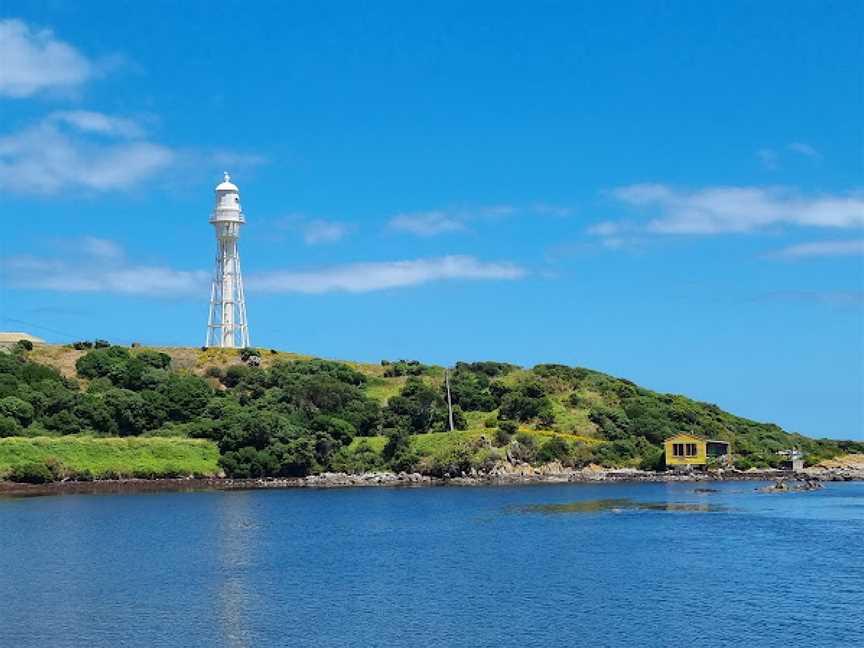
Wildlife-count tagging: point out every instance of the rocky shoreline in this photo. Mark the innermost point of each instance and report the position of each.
(502, 475)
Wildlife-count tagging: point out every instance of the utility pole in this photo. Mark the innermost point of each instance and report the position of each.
(449, 401)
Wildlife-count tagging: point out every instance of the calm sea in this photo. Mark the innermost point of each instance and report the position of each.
(575, 565)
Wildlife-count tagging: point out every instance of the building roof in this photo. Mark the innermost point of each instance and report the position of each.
(226, 184)
(695, 437)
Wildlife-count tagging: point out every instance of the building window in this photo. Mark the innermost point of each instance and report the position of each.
(691, 449)
(677, 449)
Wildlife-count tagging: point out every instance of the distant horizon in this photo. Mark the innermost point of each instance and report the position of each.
(670, 194)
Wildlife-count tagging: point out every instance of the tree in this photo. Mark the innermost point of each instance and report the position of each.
(14, 407)
(9, 426)
(416, 409)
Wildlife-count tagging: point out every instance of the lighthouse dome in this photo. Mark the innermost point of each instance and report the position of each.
(226, 184)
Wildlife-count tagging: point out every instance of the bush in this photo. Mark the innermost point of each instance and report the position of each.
(403, 368)
(554, 449)
(26, 345)
(508, 427)
(101, 344)
(249, 352)
(14, 407)
(9, 427)
(502, 437)
(454, 461)
(214, 372)
(359, 460)
(31, 473)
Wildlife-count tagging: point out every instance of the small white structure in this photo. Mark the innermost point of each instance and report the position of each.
(794, 459)
(227, 325)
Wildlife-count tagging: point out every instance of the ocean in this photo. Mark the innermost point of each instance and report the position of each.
(683, 564)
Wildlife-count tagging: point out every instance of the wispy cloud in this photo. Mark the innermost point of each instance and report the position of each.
(718, 210)
(88, 121)
(323, 231)
(34, 60)
(313, 231)
(368, 277)
(427, 223)
(821, 249)
(804, 149)
(443, 221)
(770, 158)
(101, 266)
(82, 149)
(78, 149)
(100, 271)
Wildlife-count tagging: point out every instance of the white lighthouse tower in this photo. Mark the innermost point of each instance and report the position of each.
(227, 326)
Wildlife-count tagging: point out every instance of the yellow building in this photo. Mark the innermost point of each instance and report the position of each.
(691, 450)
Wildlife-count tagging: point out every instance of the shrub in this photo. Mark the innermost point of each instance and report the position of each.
(9, 427)
(403, 368)
(555, 449)
(31, 473)
(502, 437)
(248, 352)
(25, 345)
(453, 462)
(14, 407)
(508, 427)
(359, 460)
(101, 344)
(214, 372)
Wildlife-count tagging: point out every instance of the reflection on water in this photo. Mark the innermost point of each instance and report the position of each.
(236, 542)
(619, 505)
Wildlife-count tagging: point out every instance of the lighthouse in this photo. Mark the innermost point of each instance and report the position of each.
(227, 326)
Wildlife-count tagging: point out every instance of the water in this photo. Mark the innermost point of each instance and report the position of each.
(574, 565)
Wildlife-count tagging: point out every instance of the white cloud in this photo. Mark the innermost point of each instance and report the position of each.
(442, 221)
(805, 149)
(606, 228)
(716, 210)
(35, 61)
(60, 152)
(367, 277)
(102, 275)
(427, 223)
(93, 122)
(100, 248)
(323, 231)
(821, 249)
(101, 266)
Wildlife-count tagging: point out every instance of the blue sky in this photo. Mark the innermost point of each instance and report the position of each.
(669, 192)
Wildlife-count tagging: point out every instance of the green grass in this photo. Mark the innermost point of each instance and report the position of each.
(113, 456)
(382, 389)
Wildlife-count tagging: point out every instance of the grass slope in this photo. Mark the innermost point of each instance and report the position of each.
(109, 457)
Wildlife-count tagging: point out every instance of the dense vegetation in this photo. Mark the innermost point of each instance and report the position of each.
(291, 416)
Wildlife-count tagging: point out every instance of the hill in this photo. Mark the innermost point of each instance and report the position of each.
(283, 414)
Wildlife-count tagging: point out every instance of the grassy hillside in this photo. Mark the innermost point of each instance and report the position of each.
(101, 458)
(265, 412)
